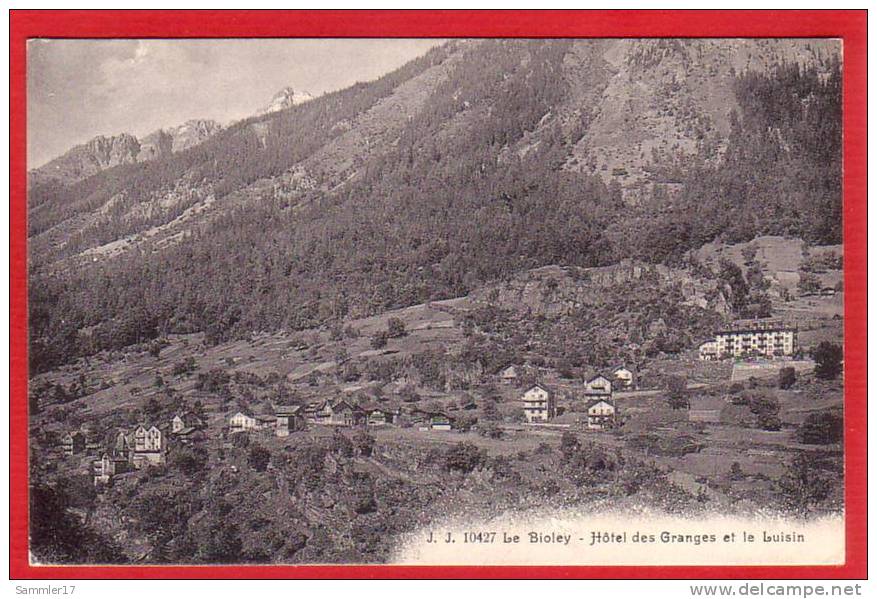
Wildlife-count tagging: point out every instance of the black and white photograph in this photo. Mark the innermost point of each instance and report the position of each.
(435, 301)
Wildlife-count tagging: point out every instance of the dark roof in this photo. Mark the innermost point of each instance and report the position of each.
(593, 403)
(756, 325)
(541, 386)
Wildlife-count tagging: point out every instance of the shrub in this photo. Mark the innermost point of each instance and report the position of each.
(805, 485)
(490, 430)
(465, 422)
(395, 327)
(569, 444)
(464, 457)
(379, 340)
(240, 440)
(543, 449)
(364, 443)
(787, 377)
(829, 358)
(183, 367)
(769, 422)
(258, 458)
(821, 428)
(188, 460)
(341, 445)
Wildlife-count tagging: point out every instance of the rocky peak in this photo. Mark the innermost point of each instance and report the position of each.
(286, 98)
(97, 154)
(193, 132)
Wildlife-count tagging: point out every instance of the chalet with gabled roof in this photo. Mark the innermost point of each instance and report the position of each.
(339, 413)
(601, 414)
(187, 420)
(288, 419)
(73, 443)
(598, 386)
(381, 416)
(623, 376)
(108, 466)
(145, 445)
(539, 404)
(509, 374)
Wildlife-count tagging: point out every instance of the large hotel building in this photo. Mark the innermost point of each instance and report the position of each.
(762, 337)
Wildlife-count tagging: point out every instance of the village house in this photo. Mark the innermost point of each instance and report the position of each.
(426, 420)
(187, 420)
(346, 414)
(623, 376)
(149, 446)
(601, 414)
(509, 374)
(142, 447)
(539, 404)
(340, 413)
(769, 338)
(288, 420)
(240, 422)
(108, 466)
(598, 386)
(378, 416)
(73, 443)
(440, 422)
(265, 421)
(93, 443)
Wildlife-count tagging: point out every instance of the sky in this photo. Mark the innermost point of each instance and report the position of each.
(78, 89)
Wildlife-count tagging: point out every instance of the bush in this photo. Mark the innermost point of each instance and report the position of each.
(805, 485)
(364, 443)
(490, 430)
(769, 422)
(183, 367)
(763, 404)
(188, 460)
(341, 445)
(787, 377)
(379, 340)
(240, 440)
(464, 457)
(677, 392)
(395, 328)
(569, 444)
(822, 428)
(258, 458)
(829, 359)
(808, 283)
(465, 422)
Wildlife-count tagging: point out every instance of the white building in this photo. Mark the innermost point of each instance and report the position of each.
(598, 385)
(539, 404)
(241, 422)
(623, 376)
(601, 415)
(765, 337)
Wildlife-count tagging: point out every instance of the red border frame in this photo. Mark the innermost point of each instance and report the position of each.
(849, 25)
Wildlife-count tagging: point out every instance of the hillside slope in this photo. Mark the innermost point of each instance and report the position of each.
(479, 160)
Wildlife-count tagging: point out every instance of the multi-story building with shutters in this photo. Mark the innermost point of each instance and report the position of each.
(763, 337)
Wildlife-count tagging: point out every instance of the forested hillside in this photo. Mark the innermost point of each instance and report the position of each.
(452, 172)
